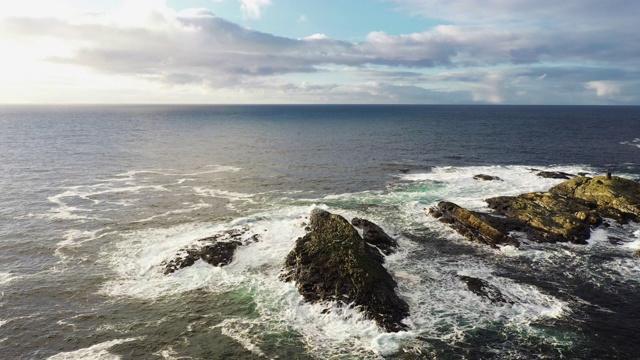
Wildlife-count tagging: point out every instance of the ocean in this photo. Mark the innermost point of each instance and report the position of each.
(93, 199)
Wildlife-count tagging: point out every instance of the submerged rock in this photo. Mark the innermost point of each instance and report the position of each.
(217, 250)
(333, 263)
(483, 289)
(486, 177)
(467, 224)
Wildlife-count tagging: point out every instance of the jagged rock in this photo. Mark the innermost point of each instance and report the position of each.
(333, 263)
(217, 250)
(486, 177)
(483, 289)
(471, 226)
(617, 197)
(555, 175)
(374, 235)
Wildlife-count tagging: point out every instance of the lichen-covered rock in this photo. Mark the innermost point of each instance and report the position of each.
(471, 226)
(615, 197)
(374, 235)
(567, 212)
(333, 263)
(558, 219)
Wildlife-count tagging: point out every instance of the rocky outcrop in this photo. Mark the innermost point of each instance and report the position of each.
(333, 263)
(217, 250)
(555, 175)
(614, 197)
(553, 218)
(485, 290)
(374, 235)
(486, 177)
(567, 212)
(470, 225)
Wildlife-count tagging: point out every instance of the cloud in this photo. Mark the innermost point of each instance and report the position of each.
(498, 61)
(567, 13)
(606, 89)
(253, 8)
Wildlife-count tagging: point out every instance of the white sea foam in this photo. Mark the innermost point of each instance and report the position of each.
(96, 352)
(457, 183)
(232, 197)
(635, 142)
(186, 210)
(6, 277)
(441, 306)
(635, 243)
(172, 172)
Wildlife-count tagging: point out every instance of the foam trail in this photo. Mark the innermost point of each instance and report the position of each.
(6, 278)
(96, 352)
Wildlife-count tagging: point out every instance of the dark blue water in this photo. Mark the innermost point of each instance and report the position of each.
(93, 198)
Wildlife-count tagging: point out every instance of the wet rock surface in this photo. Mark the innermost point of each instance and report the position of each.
(374, 235)
(217, 250)
(484, 289)
(471, 226)
(333, 263)
(485, 177)
(555, 175)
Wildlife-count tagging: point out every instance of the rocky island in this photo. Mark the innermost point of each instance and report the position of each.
(332, 262)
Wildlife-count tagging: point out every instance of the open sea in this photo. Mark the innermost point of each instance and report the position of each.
(93, 199)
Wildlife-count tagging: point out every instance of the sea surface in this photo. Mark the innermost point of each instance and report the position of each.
(93, 200)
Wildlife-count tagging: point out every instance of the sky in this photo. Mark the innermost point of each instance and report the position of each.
(582, 52)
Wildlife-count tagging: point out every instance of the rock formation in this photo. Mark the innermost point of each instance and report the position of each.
(485, 290)
(567, 212)
(374, 235)
(217, 250)
(333, 263)
(471, 226)
(615, 197)
(486, 177)
(555, 175)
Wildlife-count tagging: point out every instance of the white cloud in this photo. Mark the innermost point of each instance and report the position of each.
(196, 52)
(490, 89)
(606, 89)
(316, 37)
(253, 8)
